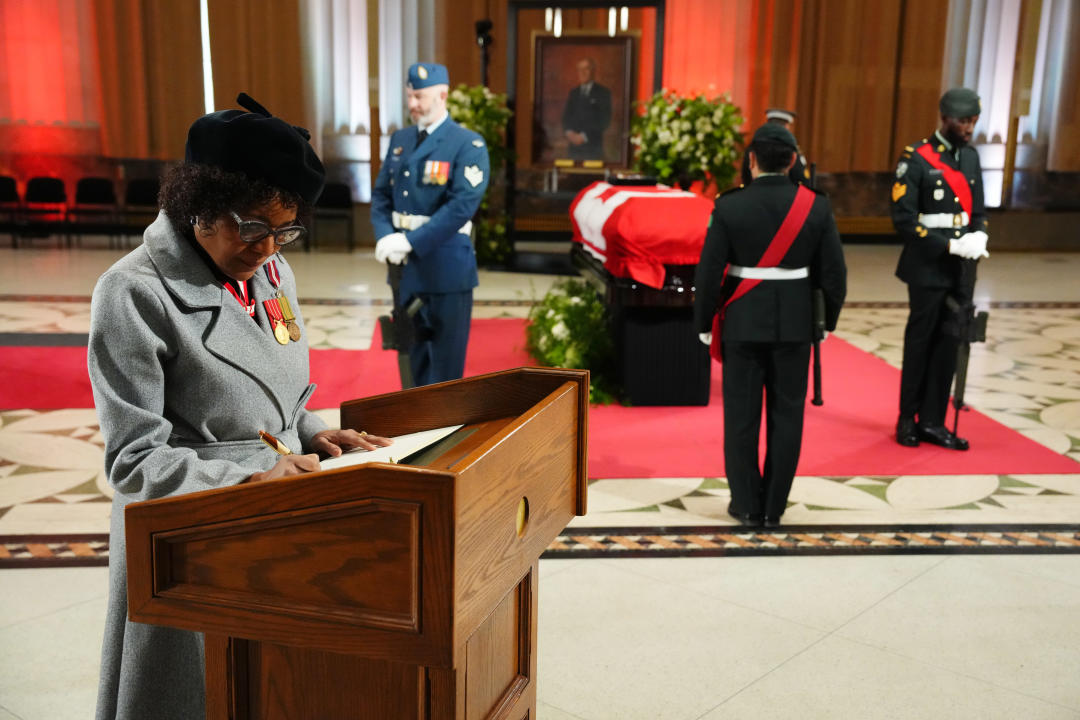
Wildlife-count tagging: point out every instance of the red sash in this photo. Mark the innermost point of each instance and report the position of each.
(954, 177)
(778, 247)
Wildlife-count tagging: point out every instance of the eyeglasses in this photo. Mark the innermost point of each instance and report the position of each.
(252, 231)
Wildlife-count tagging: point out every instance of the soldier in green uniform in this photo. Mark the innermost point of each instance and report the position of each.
(938, 211)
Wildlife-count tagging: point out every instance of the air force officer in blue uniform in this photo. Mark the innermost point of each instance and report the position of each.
(430, 185)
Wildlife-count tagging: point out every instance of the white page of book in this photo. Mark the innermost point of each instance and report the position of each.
(403, 446)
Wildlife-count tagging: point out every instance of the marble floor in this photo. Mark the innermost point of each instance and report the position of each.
(975, 616)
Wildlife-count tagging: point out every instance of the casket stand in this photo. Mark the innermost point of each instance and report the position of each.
(659, 359)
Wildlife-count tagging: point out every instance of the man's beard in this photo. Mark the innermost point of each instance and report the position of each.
(957, 139)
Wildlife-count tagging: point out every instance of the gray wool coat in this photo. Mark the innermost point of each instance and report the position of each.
(183, 381)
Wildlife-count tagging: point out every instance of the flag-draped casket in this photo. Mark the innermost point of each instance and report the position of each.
(639, 244)
(637, 230)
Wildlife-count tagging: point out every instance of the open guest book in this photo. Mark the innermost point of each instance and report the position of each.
(403, 447)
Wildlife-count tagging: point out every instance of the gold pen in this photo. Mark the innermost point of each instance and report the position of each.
(277, 445)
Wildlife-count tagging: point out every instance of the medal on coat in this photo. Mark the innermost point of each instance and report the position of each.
(288, 316)
(242, 297)
(277, 321)
(436, 172)
(278, 310)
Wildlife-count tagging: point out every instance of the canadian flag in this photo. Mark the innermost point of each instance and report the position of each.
(636, 230)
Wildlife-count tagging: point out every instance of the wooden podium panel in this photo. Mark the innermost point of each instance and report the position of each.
(379, 590)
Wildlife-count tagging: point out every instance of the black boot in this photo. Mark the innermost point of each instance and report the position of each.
(906, 432)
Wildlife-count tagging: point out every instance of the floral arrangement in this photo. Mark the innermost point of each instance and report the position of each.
(682, 139)
(482, 111)
(569, 329)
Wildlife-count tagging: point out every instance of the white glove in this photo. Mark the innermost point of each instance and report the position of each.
(961, 246)
(978, 244)
(971, 245)
(393, 248)
(705, 338)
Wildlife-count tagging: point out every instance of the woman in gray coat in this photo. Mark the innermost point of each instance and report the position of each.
(196, 344)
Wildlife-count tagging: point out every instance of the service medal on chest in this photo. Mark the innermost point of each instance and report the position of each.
(289, 317)
(277, 320)
(939, 194)
(281, 333)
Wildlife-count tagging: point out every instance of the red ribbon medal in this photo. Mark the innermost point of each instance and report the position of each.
(242, 297)
(273, 305)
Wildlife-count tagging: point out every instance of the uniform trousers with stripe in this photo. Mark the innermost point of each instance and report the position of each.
(779, 370)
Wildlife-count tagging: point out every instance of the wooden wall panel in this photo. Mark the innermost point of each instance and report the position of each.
(849, 62)
(259, 55)
(922, 56)
(1065, 142)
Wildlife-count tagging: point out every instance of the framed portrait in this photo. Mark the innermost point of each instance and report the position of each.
(583, 86)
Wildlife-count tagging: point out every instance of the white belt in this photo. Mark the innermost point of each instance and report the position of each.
(405, 221)
(944, 220)
(768, 273)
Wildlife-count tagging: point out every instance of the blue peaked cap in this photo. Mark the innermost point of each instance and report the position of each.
(422, 75)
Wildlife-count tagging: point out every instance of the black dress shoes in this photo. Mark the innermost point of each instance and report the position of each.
(771, 522)
(906, 432)
(940, 435)
(745, 519)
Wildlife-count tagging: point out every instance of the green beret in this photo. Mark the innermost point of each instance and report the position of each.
(960, 103)
(775, 133)
(258, 145)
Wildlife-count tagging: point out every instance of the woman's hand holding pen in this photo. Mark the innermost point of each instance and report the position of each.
(330, 442)
(335, 442)
(287, 465)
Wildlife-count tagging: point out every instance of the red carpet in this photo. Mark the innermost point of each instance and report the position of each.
(850, 435)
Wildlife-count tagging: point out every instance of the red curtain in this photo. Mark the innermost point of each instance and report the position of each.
(748, 48)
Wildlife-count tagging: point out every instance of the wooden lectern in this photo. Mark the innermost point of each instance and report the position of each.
(378, 591)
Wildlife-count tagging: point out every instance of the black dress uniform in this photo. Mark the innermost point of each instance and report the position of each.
(767, 333)
(928, 212)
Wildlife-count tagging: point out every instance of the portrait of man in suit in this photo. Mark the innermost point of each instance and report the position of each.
(583, 91)
(587, 114)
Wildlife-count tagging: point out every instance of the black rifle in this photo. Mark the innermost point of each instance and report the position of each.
(819, 335)
(399, 330)
(967, 326)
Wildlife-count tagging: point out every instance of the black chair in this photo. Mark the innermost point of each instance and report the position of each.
(335, 203)
(9, 206)
(140, 204)
(95, 209)
(44, 208)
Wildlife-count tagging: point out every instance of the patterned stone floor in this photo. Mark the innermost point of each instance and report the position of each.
(888, 598)
(1026, 376)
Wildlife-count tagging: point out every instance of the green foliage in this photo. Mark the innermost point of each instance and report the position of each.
(482, 111)
(682, 139)
(569, 329)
